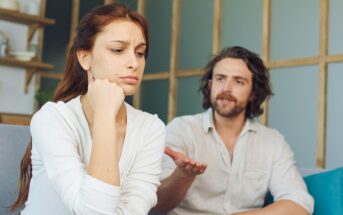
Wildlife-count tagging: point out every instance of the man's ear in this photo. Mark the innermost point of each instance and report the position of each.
(252, 97)
(84, 59)
(209, 85)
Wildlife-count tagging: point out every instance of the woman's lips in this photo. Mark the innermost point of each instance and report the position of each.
(130, 79)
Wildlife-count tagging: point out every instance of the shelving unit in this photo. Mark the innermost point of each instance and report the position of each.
(15, 119)
(14, 16)
(34, 66)
(34, 23)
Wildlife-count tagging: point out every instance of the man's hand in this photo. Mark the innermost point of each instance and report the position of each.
(187, 167)
(174, 188)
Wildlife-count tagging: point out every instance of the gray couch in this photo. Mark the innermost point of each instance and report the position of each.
(13, 142)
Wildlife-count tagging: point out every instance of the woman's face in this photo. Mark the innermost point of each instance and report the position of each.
(118, 55)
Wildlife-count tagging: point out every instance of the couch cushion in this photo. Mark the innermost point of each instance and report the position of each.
(327, 190)
(13, 142)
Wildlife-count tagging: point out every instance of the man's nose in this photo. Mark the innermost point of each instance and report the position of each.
(227, 86)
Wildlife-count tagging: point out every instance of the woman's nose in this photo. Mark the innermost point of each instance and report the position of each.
(133, 61)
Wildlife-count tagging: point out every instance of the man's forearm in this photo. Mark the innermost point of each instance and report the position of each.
(282, 207)
(172, 191)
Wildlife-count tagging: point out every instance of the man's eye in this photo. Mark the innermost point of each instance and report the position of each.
(239, 82)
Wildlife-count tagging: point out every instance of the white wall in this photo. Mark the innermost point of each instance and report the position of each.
(12, 96)
(294, 34)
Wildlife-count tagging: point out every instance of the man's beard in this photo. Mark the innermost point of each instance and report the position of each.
(228, 113)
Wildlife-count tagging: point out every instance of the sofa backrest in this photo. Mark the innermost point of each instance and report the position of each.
(13, 142)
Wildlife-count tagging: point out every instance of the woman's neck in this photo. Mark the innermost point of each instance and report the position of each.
(89, 112)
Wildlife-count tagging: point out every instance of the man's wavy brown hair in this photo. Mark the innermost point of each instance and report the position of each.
(261, 89)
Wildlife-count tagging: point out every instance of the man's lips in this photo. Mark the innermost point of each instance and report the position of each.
(226, 96)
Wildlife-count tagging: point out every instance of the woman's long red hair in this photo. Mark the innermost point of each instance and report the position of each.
(75, 80)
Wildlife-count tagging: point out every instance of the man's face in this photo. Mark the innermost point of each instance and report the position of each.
(231, 87)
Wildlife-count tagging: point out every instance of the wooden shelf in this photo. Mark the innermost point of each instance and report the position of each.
(15, 16)
(30, 67)
(15, 119)
(10, 61)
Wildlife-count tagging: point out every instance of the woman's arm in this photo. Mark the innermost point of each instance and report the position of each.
(105, 99)
(91, 189)
(138, 190)
(56, 136)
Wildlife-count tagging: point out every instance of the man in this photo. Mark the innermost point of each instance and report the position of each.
(222, 161)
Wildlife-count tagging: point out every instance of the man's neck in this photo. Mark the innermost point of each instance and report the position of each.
(229, 129)
(231, 125)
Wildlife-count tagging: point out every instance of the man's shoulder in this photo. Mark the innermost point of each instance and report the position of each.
(268, 138)
(264, 130)
(186, 124)
(188, 120)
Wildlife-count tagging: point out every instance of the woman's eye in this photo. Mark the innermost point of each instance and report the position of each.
(140, 54)
(117, 51)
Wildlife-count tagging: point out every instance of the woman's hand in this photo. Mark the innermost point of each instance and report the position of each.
(104, 96)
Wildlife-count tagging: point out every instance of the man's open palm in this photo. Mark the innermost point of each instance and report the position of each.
(186, 165)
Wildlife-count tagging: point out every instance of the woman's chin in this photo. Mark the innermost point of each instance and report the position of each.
(130, 91)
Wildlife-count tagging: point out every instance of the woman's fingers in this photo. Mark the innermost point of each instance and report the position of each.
(91, 78)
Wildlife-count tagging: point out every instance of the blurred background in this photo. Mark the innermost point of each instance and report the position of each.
(299, 40)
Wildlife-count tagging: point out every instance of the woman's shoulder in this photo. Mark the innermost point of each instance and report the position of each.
(53, 112)
(48, 111)
(142, 117)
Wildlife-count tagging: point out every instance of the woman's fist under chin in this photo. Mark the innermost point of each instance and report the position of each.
(104, 96)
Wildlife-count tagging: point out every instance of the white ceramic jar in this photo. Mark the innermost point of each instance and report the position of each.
(9, 4)
(3, 44)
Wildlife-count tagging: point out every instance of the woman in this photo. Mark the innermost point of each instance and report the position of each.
(91, 152)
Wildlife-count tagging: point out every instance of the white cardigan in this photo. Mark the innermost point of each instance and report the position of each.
(61, 150)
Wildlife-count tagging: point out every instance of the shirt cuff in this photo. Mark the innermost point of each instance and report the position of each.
(99, 196)
(303, 199)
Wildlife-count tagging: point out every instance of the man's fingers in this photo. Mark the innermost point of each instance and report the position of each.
(170, 153)
(189, 167)
(185, 163)
(181, 164)
(176, 155)
(195, 170)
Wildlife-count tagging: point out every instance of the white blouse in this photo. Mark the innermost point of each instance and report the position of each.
(61, 151)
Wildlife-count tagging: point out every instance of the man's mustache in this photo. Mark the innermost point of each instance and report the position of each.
(226, 95)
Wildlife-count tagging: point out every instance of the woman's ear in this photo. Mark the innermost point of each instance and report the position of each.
(84, 59)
